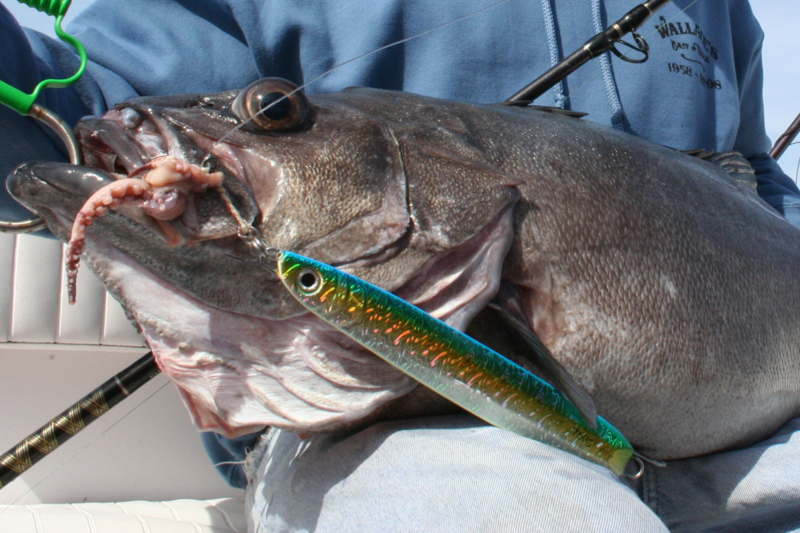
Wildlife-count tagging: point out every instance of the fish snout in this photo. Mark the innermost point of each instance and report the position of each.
(42, 186)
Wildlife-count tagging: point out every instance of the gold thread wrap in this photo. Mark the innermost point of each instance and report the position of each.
(53, 434)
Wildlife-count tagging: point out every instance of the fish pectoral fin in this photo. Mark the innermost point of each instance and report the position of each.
(508, 306)
(734, 164)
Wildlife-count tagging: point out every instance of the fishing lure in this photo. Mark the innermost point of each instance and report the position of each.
(451, 363)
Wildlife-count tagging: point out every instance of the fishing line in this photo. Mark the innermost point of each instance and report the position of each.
(340, 65)
(395, 43)
(797, 170)
(109, 428)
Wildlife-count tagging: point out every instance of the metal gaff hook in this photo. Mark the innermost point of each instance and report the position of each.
(64, 132)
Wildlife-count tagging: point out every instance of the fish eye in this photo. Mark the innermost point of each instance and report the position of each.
(271, 105)
(309, 281)
(280, 107)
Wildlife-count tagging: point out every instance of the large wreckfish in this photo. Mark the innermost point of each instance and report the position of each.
(666, 289)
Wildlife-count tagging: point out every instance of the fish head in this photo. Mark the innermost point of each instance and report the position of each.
(330, 178)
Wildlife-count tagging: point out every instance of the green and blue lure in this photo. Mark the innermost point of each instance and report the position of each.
(451, 363)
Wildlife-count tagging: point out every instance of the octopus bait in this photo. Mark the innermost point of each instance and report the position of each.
(161, 192)
(449, 362)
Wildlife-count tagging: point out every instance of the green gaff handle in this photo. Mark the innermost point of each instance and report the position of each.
(21, 102)
(24, 104)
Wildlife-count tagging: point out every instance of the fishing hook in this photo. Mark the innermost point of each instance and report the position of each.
(640, 468)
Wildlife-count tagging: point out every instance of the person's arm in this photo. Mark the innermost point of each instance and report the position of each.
(774, 186)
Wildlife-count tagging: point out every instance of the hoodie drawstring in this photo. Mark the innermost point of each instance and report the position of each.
(618, 119)
(555, 50)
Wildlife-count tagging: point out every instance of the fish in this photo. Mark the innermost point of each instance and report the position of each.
(663, 287)
(451, 363)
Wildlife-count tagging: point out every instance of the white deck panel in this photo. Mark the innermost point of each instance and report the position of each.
(34, 306)
(53, 354)
(7, 243)
(36, 294)
(145, 448)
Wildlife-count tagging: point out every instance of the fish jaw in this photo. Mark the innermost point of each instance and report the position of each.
(238, 373)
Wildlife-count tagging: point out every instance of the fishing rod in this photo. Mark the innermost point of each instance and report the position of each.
(33, 448)
(601, 43)
(786, 139)
(47, 438)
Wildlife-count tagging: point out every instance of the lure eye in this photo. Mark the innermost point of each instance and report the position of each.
(308, 281)
(270, 105)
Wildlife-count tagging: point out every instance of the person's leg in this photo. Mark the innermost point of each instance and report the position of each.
(436, 474)
(753, 489)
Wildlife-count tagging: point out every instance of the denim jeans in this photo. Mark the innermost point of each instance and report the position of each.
(752, 489)
(456, 474)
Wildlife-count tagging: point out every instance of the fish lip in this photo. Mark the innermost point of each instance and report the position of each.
(16, 182)
(72, 179)
(73, 184)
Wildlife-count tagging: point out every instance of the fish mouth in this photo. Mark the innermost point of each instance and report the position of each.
(131, 140)
(210, 263)
(128, 142)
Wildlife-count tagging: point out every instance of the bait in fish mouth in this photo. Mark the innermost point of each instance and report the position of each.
(161, 193)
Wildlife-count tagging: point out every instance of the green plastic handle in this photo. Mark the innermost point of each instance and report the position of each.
(21, 102)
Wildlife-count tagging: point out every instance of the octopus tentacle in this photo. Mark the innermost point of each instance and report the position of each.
(160, 188)
(111, 196)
